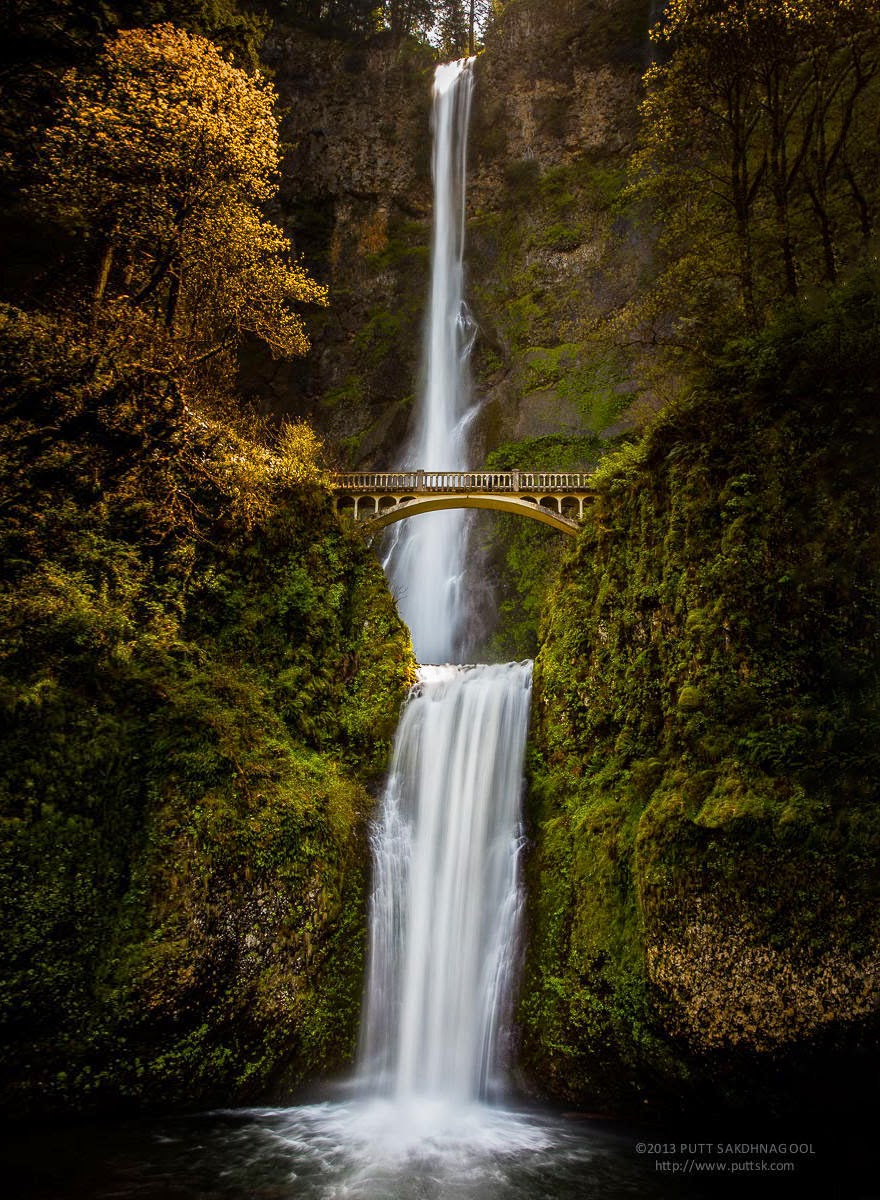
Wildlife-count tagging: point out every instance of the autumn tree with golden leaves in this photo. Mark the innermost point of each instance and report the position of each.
(162, 157)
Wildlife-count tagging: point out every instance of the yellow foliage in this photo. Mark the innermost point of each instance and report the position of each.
(298, 456)
(162, 127)
(164, 154)
(250, 474)
(239, 275)
(743, 17)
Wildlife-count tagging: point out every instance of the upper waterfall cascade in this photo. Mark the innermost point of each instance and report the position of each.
(426, 559)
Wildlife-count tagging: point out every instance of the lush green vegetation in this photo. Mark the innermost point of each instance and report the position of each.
(705, 779)
(199, 666)
(523, 555)
(201, 669)
(704, 776)
(757, 159)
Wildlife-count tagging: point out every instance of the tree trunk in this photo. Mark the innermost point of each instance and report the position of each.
(173, 298)
(742, 199)
(780, 182)
(860, 201)
(103, 278)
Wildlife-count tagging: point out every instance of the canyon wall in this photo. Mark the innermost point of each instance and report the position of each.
(555, 112)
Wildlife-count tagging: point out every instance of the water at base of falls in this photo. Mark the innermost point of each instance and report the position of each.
(334, 1151)
(373, 1150)
(359, 1150)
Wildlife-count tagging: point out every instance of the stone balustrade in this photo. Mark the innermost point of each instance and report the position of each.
(461, 481)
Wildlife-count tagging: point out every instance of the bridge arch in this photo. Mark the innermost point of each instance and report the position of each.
(509, 504)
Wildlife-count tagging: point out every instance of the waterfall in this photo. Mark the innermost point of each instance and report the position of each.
(446, 895)
(426, 558)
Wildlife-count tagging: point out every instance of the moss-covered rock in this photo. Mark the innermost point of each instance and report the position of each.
(555, 115)
(522, 557)
(356, 198)
(201, 672)
(705, 771)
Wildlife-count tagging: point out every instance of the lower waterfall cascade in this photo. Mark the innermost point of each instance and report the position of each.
(446, 897)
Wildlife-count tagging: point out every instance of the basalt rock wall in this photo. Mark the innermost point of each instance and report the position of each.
(555, 111)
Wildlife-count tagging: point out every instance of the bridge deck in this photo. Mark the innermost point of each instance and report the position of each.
(419, 482)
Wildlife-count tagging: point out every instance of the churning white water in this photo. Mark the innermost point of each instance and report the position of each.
(446, 895)
(426, 557)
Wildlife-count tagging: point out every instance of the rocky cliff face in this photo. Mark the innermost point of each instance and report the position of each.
(554, 117)
(554, 123)
(356, 196)
(549, 258)
(703, 909)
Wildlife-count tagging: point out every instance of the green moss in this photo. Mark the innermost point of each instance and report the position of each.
(406, 249)
(583, 183)
(521, 176)
(561, 237)
(524, 556)
(590, 377)
(377, 337)
(535, 309)
(704, 772)
(351, 391)
(200, 676)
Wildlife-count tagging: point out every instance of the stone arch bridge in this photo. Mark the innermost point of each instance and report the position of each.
(555, 498)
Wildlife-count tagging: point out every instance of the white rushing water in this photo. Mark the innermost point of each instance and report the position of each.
(446, 895)
(426, 557)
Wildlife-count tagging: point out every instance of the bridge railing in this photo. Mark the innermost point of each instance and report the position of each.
(461, 481)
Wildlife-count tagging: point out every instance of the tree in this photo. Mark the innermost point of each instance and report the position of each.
(455, 26)
(163, 156)
(458, 25)
(356, 18)
(753, 152)
(451, 27)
